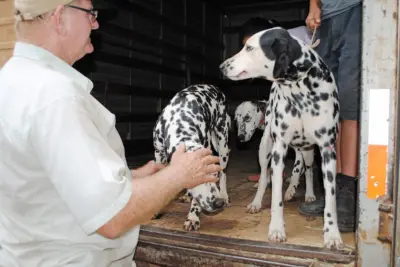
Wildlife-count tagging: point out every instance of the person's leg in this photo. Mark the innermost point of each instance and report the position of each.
(338, 151)
(349, 83)
(327, 50)
(348, 80)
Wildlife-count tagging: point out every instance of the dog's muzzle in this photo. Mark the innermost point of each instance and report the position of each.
(241, 137)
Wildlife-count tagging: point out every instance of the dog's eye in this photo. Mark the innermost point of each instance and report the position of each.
(249, 48)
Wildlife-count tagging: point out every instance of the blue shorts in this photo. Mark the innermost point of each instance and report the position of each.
(340, 49)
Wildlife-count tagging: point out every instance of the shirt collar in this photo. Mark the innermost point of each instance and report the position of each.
(40, 54)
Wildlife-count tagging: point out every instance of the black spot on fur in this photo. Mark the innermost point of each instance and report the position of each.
(324, 96)
(276, 157)
(330, 176)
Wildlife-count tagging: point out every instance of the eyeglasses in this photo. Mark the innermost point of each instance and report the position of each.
(92, 12)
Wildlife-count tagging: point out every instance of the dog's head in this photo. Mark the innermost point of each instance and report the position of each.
(267, 54)
(208, 196)
(249, 116)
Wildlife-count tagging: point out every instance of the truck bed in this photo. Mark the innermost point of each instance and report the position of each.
(235, 225)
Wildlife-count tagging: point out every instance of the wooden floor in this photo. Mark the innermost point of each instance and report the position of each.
(235, 222)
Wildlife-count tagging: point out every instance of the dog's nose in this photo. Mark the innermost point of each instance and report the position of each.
(241, 137)
(218, 203)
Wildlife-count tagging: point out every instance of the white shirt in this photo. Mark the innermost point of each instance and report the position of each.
(302, 33)
(63, 171)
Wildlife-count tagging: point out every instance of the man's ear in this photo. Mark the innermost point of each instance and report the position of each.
(57, 19)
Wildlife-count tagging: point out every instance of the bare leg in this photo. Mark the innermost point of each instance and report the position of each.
(349, 148)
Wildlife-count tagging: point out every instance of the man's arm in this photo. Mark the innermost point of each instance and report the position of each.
(313, 19)
(152, 193)
(149, 195)
(92, 180)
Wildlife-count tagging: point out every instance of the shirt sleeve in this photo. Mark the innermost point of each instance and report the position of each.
(89, 176)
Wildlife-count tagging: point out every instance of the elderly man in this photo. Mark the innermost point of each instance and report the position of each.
(67, 196)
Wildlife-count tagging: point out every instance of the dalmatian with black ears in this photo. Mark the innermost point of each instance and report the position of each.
(198, 117)
(250, 116)
(303, 111)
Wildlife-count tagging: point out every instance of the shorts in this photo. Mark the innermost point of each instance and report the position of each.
(340, 49)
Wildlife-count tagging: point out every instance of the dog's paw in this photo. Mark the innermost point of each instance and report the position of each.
(192, 225)
(276, 233)
(290, 192)
(332, 238)
(254, 207)
(310, 197)
(255, 185)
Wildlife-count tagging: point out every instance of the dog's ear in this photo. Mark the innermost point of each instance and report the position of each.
(282, 61)
(262, 105)
(278, 45)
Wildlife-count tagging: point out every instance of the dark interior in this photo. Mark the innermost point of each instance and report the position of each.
(146, 51)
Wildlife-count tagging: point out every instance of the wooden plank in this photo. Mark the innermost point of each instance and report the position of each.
(143, 11)
(6, 9)
(136, 117)
(155, 42)
(207, 242)
(178, 255)
(7, 32)
(4, 56)
(144, 65)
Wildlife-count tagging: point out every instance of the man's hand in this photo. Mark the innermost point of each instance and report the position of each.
(148, 169)
(313, 19)
(197, 167)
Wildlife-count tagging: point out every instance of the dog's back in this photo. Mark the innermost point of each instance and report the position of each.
(190, 117)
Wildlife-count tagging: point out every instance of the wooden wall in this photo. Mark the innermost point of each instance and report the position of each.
(7, 33)
(146, 51)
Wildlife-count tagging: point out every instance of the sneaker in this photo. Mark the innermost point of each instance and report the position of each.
(313, 209)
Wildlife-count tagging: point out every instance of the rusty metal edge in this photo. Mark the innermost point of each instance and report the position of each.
(299, 251)
(188, 252)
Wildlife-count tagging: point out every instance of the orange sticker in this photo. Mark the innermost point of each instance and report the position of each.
(377, 160)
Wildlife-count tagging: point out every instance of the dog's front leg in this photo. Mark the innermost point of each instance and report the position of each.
(223, 159)
(298, 170)
(332, 238)
(264, 155)
(192, 222)
(309, 160)
(276, 231)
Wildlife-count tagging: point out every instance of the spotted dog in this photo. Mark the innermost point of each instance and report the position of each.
(250, 116)
(303, 111)
(197, 116)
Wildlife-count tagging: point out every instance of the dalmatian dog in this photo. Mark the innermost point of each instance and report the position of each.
(197, 116)
(250, 116)
(303, 111)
